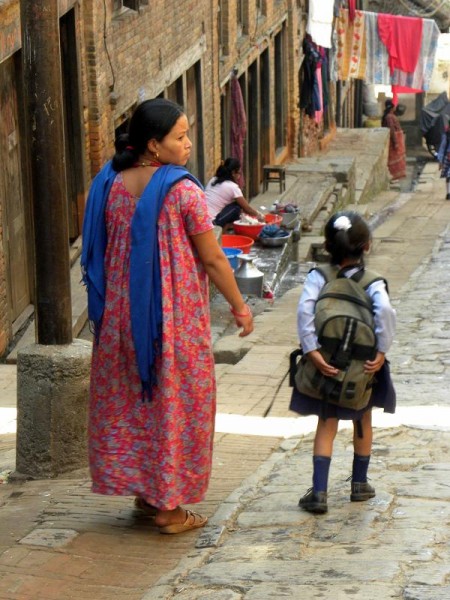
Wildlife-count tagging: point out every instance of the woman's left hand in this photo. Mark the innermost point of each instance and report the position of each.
(372, 366)
(244, 319)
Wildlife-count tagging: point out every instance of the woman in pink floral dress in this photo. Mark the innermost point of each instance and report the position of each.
(148, 249)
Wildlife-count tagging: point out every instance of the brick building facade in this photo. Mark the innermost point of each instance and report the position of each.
(114, 54)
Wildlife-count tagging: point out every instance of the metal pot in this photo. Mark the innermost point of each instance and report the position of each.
(248, 277)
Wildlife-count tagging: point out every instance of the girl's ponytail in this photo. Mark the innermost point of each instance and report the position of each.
(346, 236)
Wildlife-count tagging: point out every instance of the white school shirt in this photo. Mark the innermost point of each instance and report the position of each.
(384, 313)
(220, 195)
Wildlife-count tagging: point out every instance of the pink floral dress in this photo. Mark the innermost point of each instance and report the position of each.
(159, 450)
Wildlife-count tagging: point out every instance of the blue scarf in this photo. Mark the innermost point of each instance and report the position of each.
(145, 276)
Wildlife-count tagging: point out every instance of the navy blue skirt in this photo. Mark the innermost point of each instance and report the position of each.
(445, 172)
(383, 396)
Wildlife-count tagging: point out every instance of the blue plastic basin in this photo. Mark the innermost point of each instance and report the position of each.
(233, 256)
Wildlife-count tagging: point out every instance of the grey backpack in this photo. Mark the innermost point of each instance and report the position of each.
(346, 332)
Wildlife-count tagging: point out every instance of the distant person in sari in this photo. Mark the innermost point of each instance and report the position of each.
(397, 152)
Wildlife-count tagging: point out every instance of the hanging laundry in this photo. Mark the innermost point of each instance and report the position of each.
(421, 78)
(309, 88)
(337, 6)
(351, 48)
(377, 66)
(318, 115)
(320, 21)
(325, 77)
(351, 10)
(402, 37)
(385, 50)
(238, 125)
(333, 56)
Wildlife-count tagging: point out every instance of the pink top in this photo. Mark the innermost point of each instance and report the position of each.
(220, 195)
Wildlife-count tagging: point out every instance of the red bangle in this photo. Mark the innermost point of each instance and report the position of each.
(236, 314)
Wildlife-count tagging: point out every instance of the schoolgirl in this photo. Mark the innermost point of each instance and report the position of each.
(347, 238)
(443, 157)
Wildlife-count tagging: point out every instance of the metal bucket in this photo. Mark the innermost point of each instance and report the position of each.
(249, 278)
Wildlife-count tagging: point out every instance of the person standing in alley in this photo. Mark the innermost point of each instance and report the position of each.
(443, 156)
(148, 249)
(347, 238)
(397, 152)
(225, 198)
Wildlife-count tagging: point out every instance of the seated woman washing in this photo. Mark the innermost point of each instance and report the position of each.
(225, 198)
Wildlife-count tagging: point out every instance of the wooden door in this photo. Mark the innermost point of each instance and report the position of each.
(264, 77)
(253, 133)
(11, 194)
(193, 107)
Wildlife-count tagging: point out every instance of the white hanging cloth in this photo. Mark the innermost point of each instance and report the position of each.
(320, 22)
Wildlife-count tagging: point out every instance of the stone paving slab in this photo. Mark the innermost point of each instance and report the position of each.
(365, 549)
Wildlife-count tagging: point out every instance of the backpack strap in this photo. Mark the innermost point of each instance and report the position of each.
(365, 277)
(328, 272)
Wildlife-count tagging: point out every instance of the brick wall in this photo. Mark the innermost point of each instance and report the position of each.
(144, 53)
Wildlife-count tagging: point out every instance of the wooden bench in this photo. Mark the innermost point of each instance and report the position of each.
(274, 174)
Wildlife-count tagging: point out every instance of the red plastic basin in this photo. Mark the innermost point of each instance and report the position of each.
(273, 219)
(241, 242)
(251, 231)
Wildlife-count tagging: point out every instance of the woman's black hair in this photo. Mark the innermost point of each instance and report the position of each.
(346, 238)
(152, 119)
(388, 106)
(225, 170)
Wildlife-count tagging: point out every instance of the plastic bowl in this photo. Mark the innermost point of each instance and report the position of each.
(233, 256)
(251, 231)
(239, 242)
(273, 219)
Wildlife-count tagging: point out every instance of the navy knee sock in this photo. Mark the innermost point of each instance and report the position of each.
(321, 465)
(360, 468)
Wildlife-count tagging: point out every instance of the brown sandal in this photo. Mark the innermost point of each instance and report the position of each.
(146, 508)
(193, 521)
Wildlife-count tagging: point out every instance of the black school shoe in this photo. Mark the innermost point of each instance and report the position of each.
(315, 502)
(361, 492)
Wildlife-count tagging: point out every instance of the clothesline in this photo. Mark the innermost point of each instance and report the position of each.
(386, 49)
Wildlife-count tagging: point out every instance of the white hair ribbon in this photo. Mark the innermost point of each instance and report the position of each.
(342, 223)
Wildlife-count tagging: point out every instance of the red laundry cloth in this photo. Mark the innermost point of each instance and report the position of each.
(399, 89)
(351, 10)
(402, 37)
(238, 122)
